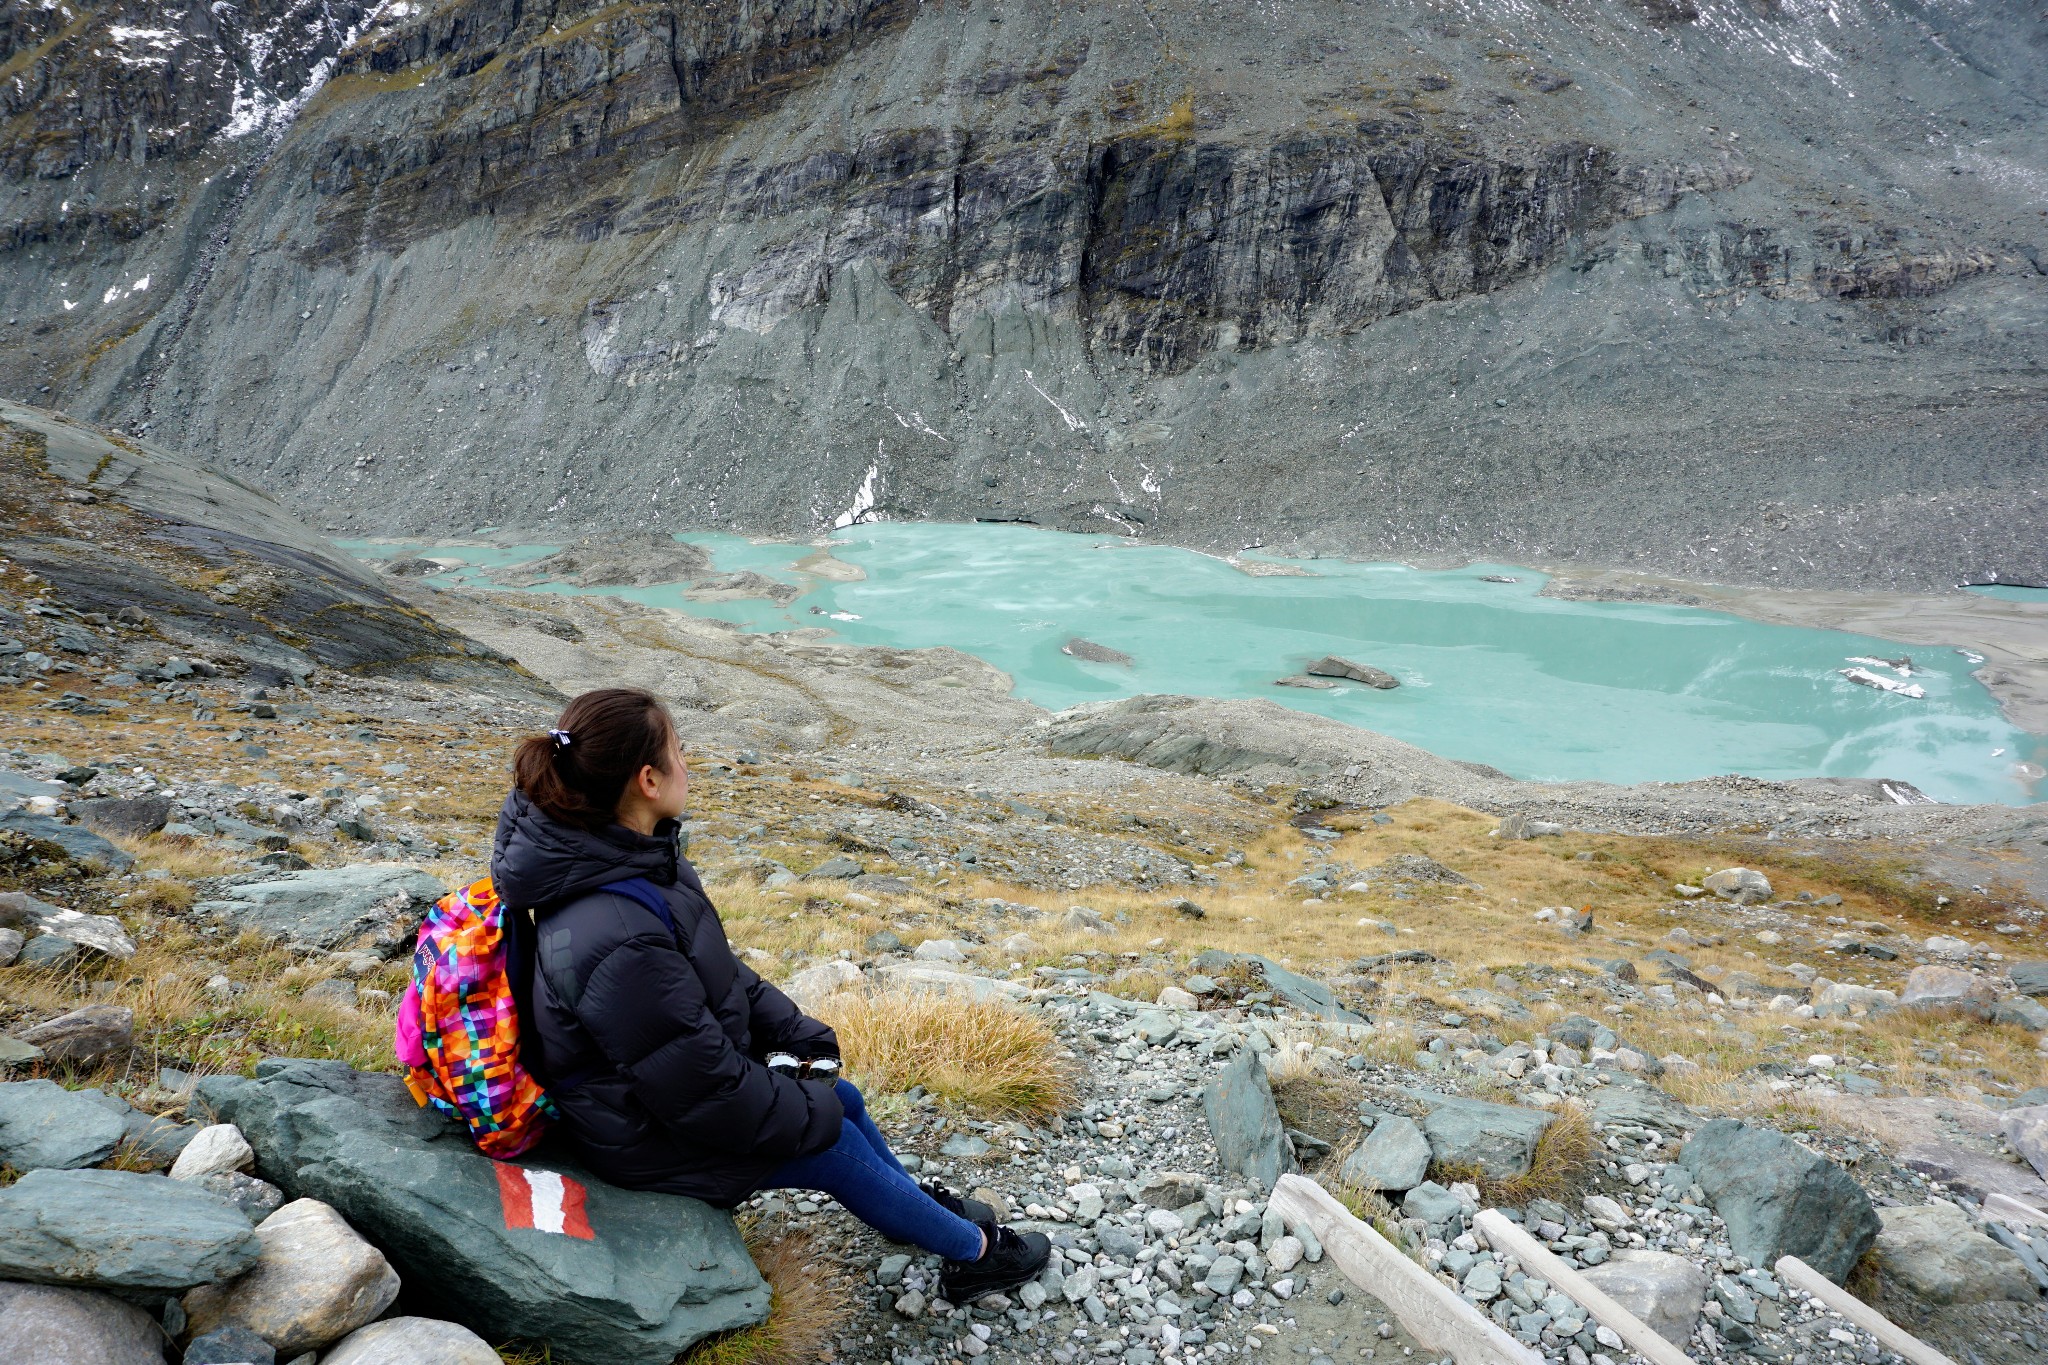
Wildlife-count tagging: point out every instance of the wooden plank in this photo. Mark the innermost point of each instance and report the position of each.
(1890, 1335)
(1513, 1240)
(1434, 1315)
(2007, 1209)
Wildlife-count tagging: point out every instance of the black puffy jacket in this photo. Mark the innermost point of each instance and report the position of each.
(650, 1043)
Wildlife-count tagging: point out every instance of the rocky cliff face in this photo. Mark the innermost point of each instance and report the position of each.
(1742, 289)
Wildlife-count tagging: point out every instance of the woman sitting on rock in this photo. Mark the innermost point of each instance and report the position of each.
(669, 1060)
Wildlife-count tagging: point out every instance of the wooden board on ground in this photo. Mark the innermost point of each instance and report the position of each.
(1435, 1316)
(1513, 1240)
(1889, 1334)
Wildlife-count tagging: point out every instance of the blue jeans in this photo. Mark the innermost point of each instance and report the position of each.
(861, 1173)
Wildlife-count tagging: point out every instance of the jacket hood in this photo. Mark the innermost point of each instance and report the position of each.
(538, 862)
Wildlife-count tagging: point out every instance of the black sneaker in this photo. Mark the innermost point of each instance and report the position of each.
(973, 1210)
(1011, 1259)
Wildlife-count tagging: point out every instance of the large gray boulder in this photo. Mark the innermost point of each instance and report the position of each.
(1332, 666)
(1967, 1171)
(2018, 1011)
(48, 953)
(1779, 1199)
(43, 1126)
(1301, 993)
(317, 1281)
(1631, 1101)
(2027, 1130)
(1245, 1126)
(1666, 1291)
(374, 905)
(1937, 1252)
(656, 1274)
(124, 815)
(2029, 978)
(1394, 1156)
(88, 1036)
(1499, 1140)
(47, 1325)
(413, 1341)
(74, 843)
(1739, 884)
(1094, 653)
(1939, 989)
(17, 789)
(38, 918)
(821, 981)
(120, 1230)
(935, 978)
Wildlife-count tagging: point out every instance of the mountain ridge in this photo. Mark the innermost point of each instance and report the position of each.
(1731, 291)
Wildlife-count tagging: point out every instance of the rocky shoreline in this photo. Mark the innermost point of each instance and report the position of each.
(2009, 638)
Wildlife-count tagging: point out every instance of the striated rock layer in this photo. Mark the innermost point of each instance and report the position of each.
(1726, 288)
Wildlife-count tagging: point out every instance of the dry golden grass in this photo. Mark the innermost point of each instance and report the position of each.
(184, 859)
(1135, 983)
(811, 1304)
(983, 1056)
(1564, 1156)
(1479, 930)
(178, 1022)
(1321, 1105)
(167, 896)
(127, 1158)
(1254, 911)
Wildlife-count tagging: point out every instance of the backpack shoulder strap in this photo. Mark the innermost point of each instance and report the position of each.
(553, 940)
(648, 894)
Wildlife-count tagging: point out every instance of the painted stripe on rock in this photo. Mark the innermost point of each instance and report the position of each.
(546, 1201)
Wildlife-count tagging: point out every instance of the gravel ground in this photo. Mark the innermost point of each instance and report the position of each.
(1163, 1257)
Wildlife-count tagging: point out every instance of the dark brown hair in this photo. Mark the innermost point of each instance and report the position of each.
(577, 771)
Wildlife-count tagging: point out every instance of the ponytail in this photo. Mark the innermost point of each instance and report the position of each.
(577, 771)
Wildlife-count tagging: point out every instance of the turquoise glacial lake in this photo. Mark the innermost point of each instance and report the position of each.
(1490, 672)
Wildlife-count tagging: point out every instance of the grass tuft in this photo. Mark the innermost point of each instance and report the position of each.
(1141, 984)
(1866, 1279)
(978, 1054)
(1564, 1154)
(1367, 1206)
(810, 1305)
(165, 897)
(186, 860)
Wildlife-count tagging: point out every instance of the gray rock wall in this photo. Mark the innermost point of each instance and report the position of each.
(1742, 292)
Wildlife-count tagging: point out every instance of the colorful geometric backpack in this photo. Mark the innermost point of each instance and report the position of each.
(458, 1026)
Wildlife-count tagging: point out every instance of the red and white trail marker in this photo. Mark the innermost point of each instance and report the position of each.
(546, 1201)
